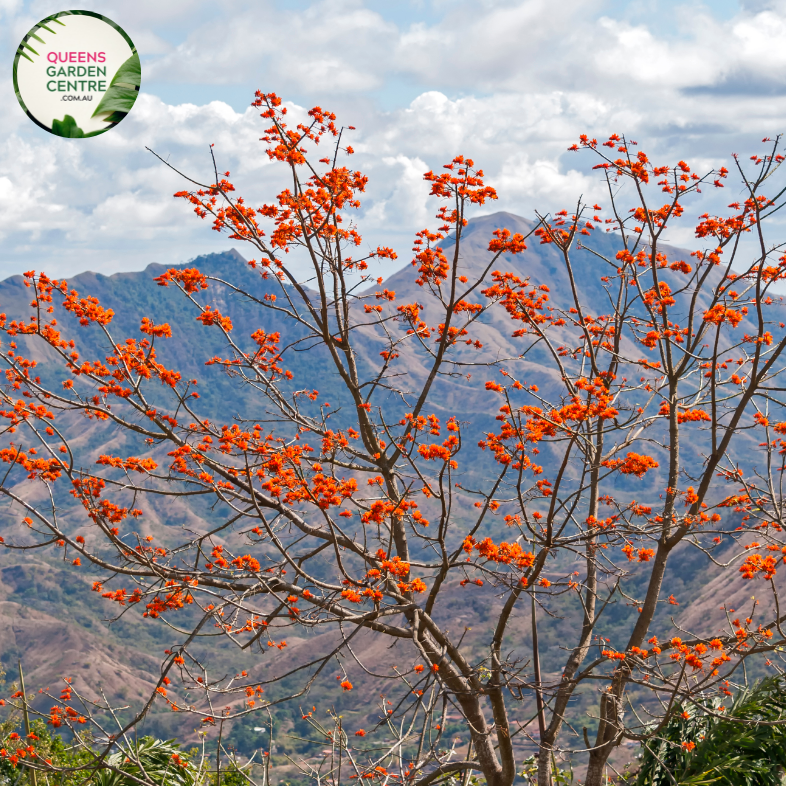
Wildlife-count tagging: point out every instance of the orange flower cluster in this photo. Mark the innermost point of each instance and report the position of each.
(48, 470)
(137, 358)
(416, 585)
(88, 491)
(724, 228)
(267, 357)
(190, 279)
(58, 715)
(327, 491)
(410, 313)
(505, 553)
(247, 563)
(172, 601)
(694, 658)
(381, 508)
(755, 564)
(157, 331)
(396, 566)
(657, 217)
(87, 309)
(120, 596)
(441, 452)
(505, 243)
(215, 317)
(131, 463)
(719, 314)
(659, 298)
(20, 750)
(556, 232)
(432, 263)
(523, 301)
(23, 411)
(692, 416)
(462, 181)
(318, 201)
(539, 425)
(281, 475)
(607, 523)
(632, 464)
(643, 555)
(354, 596)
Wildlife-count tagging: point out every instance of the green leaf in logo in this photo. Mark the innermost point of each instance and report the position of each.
(130, 73)
(67, 127)
(123, 91)
(115, 117)
(25, 45)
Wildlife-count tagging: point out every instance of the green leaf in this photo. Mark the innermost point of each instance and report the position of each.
(67, 127)
(733, 749)
(123, 90)
(148, 758)
(130, 73)
(115, 117)
(117, 99)
(25, 44)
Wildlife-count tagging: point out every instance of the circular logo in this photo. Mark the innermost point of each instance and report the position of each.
(76, 74)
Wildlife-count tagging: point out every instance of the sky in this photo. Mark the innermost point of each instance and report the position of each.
(510, 83)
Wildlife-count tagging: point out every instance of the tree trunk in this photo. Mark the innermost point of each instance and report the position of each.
(596, 767)
(544, 765)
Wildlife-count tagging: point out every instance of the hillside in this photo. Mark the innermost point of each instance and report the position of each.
(54, 622)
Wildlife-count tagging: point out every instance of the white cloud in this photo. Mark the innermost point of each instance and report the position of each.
(492, 50)
(148, 43)
(762, 40)
(405, 201)
(334, 46)
(635, 54)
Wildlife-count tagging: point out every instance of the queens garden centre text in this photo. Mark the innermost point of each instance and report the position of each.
(77, 72)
